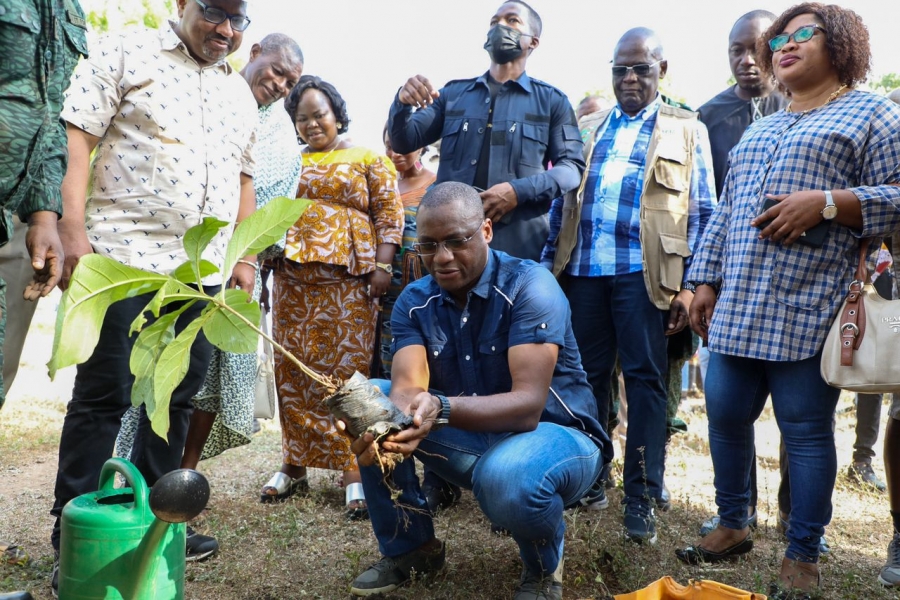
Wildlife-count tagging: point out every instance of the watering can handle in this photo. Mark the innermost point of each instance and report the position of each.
(131, 475)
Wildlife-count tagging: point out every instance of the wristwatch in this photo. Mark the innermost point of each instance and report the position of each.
(386, 267)
(830, 210)
(443, 417)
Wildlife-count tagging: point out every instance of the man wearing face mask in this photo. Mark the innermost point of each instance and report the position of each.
(499, 133)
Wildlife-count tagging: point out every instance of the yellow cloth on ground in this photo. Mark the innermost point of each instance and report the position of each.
(669, 589)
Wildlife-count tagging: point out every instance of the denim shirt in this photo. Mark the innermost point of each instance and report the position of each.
(533, 127)
(515, 302)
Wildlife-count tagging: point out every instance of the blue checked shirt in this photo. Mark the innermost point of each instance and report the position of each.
(609, 236)
(777, 302)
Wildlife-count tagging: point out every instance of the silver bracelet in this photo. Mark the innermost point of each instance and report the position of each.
(249, 264)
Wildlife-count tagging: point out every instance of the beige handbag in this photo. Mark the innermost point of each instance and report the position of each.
(863, 345)
(266, 390)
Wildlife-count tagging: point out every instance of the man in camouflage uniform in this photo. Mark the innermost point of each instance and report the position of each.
(40, 42)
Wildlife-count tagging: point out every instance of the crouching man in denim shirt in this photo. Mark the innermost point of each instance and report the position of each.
(514, 421)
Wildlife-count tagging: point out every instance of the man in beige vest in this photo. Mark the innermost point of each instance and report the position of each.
(624, 240)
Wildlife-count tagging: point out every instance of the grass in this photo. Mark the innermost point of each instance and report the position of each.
(304, 548)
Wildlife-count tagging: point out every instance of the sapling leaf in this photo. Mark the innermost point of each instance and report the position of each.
(263, 228)
(145, 354)
(197, 238)
(226, 330)
(171, 291)
(185, 271)
(170, 369)
(97, 282)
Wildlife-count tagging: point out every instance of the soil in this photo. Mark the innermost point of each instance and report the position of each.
(306, 548)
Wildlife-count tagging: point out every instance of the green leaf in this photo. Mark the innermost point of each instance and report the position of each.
(262, 229)
(197, 238)
(171, 291)
(170, 369)
(145, 354)
(228, 332)
(97, 282)
(185, 271)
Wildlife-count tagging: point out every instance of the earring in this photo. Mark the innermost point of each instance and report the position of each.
(340, 125)
(418, 165)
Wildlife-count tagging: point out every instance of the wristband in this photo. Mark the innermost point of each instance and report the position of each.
(249, 264)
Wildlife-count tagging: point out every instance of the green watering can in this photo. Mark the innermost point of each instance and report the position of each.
(125, 543)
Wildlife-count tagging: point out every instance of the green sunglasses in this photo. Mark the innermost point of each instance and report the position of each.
(803, 34)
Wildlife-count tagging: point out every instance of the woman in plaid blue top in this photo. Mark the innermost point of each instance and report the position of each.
(768, 285)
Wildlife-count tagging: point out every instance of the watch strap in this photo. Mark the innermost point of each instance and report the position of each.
(443, 417)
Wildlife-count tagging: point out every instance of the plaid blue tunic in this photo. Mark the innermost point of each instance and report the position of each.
(609, 231)
(777, 303)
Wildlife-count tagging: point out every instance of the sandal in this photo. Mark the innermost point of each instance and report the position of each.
(353, 492)
(285, 486)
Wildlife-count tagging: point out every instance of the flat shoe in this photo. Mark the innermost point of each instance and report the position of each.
(694, 555)
(285, 486)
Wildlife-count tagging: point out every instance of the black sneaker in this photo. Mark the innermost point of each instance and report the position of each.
(863, 475)
(390, 573)
(199, 547)
(639, 521)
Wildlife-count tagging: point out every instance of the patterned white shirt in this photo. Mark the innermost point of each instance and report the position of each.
(175, 138)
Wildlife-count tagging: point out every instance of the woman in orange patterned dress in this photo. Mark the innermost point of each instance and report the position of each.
(336, 268)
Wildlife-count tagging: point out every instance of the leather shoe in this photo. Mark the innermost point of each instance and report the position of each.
(694, 555)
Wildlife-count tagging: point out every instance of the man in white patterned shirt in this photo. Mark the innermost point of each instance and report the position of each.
(173, 126)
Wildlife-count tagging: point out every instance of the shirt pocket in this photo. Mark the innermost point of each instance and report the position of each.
(804, 277)
(76, 36)
(19, 29)
(672, 177)
(534, 142)
(493, 362)
(673, 250)
(451, 144)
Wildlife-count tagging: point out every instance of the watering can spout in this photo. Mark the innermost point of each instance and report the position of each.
(177, 497)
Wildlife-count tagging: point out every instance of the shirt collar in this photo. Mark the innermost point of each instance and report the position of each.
(647, 112)
(169, 40)
(524, 81)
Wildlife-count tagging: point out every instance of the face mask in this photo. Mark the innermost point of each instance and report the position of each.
(503, 44)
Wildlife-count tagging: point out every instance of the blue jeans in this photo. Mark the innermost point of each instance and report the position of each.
(522, 482)
(614, 316)
(736, 392)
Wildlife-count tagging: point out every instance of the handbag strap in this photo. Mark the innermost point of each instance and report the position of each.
(853, 312)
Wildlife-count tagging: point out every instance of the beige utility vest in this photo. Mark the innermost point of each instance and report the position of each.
(664, 201)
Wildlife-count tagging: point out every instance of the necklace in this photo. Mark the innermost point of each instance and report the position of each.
(324, 158)
(832, 97)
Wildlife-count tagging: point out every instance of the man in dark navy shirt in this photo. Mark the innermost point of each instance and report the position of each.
(499, 132)
(486, 362)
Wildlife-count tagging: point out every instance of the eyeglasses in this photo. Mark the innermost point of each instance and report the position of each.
(454, 245)
(803, 34)
(218, 16)
(639, 70)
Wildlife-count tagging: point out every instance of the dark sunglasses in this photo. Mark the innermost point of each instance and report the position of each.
(803, 34)
(454, 245)
(639, 70)
(218, 16)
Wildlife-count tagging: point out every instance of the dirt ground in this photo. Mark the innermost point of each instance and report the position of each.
(304, 548)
